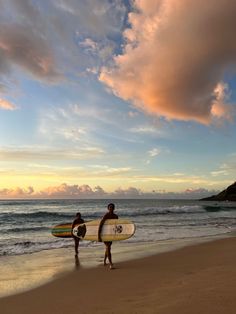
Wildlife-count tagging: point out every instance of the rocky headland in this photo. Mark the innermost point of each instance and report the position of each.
(229, 194)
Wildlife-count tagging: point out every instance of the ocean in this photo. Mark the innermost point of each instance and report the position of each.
(26, 224)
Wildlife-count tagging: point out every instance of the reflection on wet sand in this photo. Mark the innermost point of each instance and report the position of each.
(77, 262)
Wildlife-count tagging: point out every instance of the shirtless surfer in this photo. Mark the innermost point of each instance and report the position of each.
(78, 220)
(109, 215)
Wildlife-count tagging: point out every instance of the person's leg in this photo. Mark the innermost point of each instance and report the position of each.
(76, 246)
(105, 256)
(109, 254)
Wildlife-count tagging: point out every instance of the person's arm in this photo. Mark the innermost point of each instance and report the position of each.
(72, 227)
(76, 222)
(100, 228)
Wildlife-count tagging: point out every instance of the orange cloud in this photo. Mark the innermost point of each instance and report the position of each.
(6, 105)
(65, 191)
(17, 192)
(174, 58)
(219, 109)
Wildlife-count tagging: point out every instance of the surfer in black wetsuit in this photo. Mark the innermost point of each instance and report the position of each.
(78, 220)
(109, 215)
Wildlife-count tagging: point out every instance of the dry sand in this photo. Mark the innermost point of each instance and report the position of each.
(195, 279)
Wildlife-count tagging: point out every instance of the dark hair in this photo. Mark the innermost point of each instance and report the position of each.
(111, 205)
(78, 214)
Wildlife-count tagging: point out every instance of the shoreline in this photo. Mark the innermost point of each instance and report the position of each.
(193, 279)
(21, 273)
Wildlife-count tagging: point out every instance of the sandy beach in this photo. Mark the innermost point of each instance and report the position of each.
(193, 279)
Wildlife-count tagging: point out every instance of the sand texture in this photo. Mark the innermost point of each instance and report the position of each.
(195, 279)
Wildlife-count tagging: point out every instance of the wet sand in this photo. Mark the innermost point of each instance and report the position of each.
(24, 272)
(193, 279)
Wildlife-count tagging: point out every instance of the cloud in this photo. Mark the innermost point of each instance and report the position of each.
(46, 39)
(220, 173)
(78, 24)
(228, 168)
(71, 123)
(58, 40)
(174, 59)
(89, 45)
(154, 152)
(177, 179)
(197, 192)
(45, 153)
(23, 47)
(85, 125)
(65, 190)
(6, 105)
(100, 18)
(219, 109)
(106, 171)
(17, 192)
(130, 192)
(150, 130)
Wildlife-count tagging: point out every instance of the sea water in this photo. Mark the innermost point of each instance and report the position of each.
(26, 224)
(30, 256)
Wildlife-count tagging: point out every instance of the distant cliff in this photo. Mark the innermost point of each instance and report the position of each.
(229, 194)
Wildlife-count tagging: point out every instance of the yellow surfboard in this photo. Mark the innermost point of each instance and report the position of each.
(112, 230)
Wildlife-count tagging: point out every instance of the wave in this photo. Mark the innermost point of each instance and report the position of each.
(31, 202)
(36, 215)
(20, 247)
(162, 211)
(217, 208)
(16, 203)
(55, 217)
(28, 247)
(25, 229)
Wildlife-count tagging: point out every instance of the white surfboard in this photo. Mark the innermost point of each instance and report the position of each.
(112, 230)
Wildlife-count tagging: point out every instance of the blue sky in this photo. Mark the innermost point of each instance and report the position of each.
(116, 98)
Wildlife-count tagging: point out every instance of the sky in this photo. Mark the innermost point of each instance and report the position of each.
(122, 98)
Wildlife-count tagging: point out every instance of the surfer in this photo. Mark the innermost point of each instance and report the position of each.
(109, 215)
(78, 220)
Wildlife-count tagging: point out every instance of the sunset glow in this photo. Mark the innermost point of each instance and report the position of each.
(117, 98)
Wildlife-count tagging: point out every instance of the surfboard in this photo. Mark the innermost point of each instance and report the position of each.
(112, 230)
(62, 230)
